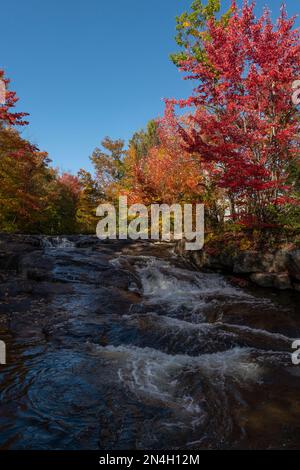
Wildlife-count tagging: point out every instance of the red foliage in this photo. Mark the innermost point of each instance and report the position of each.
(166, 175)
(71, 182)
(6, 116)
(242, 117)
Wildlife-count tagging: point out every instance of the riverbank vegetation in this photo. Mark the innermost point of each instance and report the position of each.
(233, 145)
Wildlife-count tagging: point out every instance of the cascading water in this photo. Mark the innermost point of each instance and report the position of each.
(134, 351)
(57, 242)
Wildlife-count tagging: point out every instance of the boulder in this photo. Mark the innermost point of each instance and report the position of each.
(276, 280)
(279, 269)
(222, 262)
(281, 261)
(12, 253)
(253, 262)
(86, 241)
(200, 259)
(282, 281)
(294, 264)
(36, 267)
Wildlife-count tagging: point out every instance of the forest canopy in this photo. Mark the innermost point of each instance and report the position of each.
(234, 146)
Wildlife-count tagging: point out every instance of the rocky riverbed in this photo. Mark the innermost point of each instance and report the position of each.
(125, 346)
(276, 269)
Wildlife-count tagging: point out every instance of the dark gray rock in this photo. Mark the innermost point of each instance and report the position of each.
(36, 266)
(278, 269)
(13, 249)
(87, 241)
(276, 280)
(280, 261)
(252, 262)
(294, 264)
(219, 262)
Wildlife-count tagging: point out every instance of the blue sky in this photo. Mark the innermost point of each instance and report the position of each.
(87, 69)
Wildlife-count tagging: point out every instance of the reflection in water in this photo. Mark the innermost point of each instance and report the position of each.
(116, 350)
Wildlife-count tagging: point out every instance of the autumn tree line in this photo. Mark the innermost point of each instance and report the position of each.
(233, 145)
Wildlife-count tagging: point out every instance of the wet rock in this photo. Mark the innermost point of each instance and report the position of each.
(122, 279)
(279, 281)
(109, 301)
(218, 262)
(280, 261)
(14, 247)
(33, 240)
(11, 255)
(86, 241)
(240, 282)
(90, 261)
(16, 287)
(252, 262)
(200, 258)
(50, 289)
(9, 260)
(37, 267)
(294, 264)
(278, 269)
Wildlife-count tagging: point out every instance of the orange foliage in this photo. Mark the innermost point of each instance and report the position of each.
(166, 175)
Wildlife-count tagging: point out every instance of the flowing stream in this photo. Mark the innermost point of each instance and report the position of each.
(123, 346)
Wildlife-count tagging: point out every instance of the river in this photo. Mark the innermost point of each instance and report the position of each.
(123, 346)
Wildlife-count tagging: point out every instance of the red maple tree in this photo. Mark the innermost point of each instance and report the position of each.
(241, 115)
(6, 114)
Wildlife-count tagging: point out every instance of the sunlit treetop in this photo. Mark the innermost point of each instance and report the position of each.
(7, 117)
(192, 30)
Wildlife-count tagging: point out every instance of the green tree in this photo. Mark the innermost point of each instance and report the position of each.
(109, 162)
(24, 178)
(142, 141)
(89, 199)
(191, 29)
